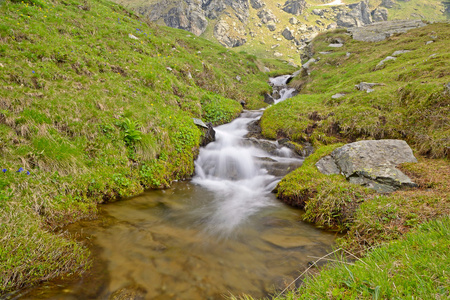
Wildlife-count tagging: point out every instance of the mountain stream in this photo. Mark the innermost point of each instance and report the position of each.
(222, 232)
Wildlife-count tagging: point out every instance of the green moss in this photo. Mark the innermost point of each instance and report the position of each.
(329, 200)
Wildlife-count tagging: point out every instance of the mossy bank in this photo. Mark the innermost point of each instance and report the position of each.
(96, 105)
(410, 101)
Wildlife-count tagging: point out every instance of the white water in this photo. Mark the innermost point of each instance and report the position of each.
(230, 168)
(280, 82)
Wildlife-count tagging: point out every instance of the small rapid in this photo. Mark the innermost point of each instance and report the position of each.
(232, 168)
(280, 87)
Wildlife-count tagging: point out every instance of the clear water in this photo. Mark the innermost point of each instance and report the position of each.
(224, 232)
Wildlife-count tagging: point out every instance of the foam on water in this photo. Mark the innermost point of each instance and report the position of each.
(240, 185)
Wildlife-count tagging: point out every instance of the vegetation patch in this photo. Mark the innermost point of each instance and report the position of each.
(413, 267)
(96, 104)
(329, 200)
(410, 100)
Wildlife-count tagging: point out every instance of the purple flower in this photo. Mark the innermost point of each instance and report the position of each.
(28, 172)
(4, 170)
(20, 170)
(32, 72)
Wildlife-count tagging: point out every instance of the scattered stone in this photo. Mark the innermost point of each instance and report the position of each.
(335, 45)
(381, 30)
(1, 65)
(295, 7)
(210, 135)
(275, 46)
(429, 42)
(132, 37)
(271, 26)
(293, 21)
(325, 52)
(169, 69)
(358, 16)
(288, 34)
(266, 69)
(347, 55)
(238, 78)
(268, 99)
(338, 95)
(379, 14)
(317, 12)
(398, 52)
(308, 63)
(199, 122)
(257, 4)
(292, 64)
(432, 55)
(371, 163)
(366, 86)
(278, 54)
(266, 15)
(228, 36)
(388, 3)
(381, 63)
(332, 26)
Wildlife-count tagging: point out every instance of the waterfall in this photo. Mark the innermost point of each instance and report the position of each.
(235, 169)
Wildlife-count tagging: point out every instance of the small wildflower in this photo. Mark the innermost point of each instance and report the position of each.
(4, 170)
(20, 170)
(32, 72)
(28, 172)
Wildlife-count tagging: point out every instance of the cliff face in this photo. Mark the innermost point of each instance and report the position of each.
(264, 24)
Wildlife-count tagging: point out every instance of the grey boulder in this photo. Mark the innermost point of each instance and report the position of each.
(371, 163)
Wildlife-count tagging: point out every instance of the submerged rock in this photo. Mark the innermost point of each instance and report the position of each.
(371, 163)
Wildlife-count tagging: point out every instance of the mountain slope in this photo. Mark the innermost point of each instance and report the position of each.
(270, 28)
(97, 104)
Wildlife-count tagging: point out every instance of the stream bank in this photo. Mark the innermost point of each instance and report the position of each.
(224, 232)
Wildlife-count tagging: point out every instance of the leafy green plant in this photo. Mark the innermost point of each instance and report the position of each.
(131, 131)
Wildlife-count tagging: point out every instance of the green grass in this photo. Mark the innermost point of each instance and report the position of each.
(411, 103)
(415, 267)
(94, 115)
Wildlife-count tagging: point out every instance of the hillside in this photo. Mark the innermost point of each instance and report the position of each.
(407, 97)
(393, 246)
(96, 104)
(279, 29)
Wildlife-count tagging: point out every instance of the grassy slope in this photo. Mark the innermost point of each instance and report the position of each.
(411, 104)
(94, 115)
(415, 267)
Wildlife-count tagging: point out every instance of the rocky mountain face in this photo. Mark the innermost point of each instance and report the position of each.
(289, 24)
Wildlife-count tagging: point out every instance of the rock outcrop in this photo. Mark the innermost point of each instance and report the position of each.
(266, 15)
(295, 7)
(228, 35)
(288, 34)
(371, 163)
(359, 15)
(381, 30)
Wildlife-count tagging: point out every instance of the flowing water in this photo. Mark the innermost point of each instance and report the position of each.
(279, 84)
(224, 232)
